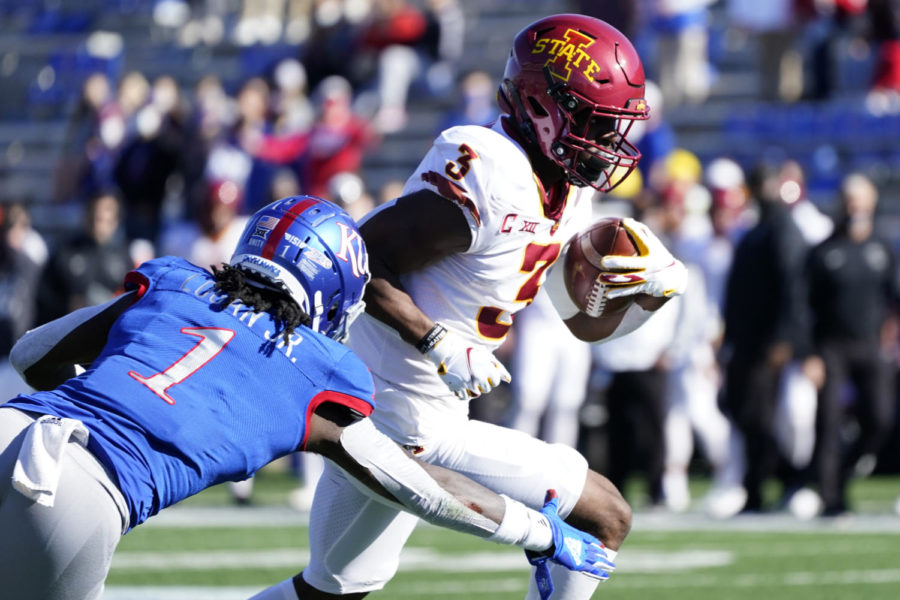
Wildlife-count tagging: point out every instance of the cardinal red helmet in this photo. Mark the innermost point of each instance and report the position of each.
(575, 85)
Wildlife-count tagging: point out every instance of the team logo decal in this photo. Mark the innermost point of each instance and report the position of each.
(352, 251)
(567, 54)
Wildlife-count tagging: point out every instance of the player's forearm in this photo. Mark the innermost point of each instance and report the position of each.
(390, 304)
(45, 356)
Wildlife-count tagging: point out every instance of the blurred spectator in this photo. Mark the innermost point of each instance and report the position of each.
(393, 37)
(147, 161)
(390, 190)
(797, 396)
(728, 216)
(636, 402)
(773, 27)
(284, 183)
(682, 64)
(444, 42)
(268, 21)
(133, 94)
(853, 289)
(248, 140)
(197, 21)
(338, 139)
(88, 268)
(655, 136)
(333, 46)
(210, 238)
(729, 211)
(731, 215)
(884, 22)
(94, 132)
(294, 113)
(19, 275)
(208, 114)
(765, 315)
(476, 102)
(813, 224)
(348, 190)
(550, 370)
(836, 30)
(623, 15)
(693, 381)
(220, 226)
(21, 235)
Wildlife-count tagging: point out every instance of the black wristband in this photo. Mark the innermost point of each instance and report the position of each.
(430, 339)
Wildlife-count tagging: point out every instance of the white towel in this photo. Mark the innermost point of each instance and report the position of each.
(38, 466)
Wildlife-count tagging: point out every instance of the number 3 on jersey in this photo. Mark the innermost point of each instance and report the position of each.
(537, 259)
(463, 163)
(212, 341)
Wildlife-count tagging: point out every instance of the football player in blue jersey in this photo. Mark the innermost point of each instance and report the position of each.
(192, 378)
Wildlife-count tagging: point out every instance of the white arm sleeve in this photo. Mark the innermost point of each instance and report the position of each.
(421, 495)
(36, 343)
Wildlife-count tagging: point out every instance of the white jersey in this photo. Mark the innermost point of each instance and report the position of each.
(473, 293)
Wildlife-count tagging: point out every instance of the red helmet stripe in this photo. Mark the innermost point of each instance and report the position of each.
(289, 217)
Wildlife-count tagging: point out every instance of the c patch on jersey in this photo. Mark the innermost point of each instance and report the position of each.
(453, 191)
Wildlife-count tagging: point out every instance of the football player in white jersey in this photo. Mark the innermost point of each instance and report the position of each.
(468, 244)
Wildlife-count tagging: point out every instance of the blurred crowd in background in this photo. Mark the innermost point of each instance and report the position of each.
(780, 362)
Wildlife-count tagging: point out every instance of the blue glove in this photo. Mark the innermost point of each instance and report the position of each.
(572, 548)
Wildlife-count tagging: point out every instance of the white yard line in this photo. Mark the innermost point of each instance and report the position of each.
(412, 559)
(477, 589)
(273, 516)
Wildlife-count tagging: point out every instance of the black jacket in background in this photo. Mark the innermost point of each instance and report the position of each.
(852, 287)
(765, 297)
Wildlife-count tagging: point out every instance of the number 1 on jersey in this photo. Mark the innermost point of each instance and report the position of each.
(212, 341)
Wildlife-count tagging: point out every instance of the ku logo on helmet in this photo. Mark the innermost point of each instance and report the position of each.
(568, 53)
(352, 251)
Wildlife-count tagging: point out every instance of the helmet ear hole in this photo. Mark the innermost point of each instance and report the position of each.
(332, 311)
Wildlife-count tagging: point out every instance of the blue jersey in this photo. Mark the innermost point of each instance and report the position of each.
(191, 390)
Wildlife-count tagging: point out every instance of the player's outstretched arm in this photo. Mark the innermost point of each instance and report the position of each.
(448, 499)
(409, 234)
(46, 356)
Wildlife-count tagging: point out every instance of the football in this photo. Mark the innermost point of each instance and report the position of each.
(582, 266)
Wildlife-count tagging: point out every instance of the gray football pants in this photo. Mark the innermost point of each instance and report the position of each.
(63, 552)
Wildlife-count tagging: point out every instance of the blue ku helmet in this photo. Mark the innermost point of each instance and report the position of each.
(311, 249)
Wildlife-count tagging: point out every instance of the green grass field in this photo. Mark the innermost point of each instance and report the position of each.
(203, 548)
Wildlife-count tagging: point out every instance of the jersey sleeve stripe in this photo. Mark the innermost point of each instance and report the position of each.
(357, 404)
(135, 280)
